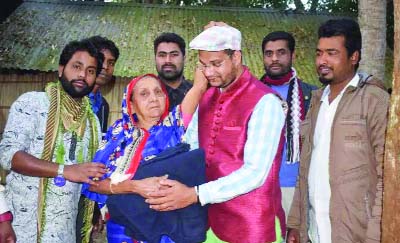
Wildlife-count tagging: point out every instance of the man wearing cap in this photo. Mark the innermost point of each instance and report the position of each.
(239, 124)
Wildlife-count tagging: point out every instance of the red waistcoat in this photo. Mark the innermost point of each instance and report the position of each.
(223, 119)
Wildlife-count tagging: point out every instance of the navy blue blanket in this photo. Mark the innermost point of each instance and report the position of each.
(187, 225)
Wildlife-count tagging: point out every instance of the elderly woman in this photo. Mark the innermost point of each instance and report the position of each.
(145, 129)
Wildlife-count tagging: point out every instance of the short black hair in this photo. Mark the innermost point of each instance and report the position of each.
(170, 37)
(279, 35)
(102, 43)
(83, 45)
(229, 52)
(349, 29)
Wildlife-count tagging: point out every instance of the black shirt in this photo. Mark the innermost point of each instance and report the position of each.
(176, 96)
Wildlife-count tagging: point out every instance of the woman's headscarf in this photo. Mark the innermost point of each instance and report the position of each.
(122, 147)
(127, 115)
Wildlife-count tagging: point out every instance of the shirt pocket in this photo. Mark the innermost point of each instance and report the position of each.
(233, 136)
(232, 128)
(354, 134)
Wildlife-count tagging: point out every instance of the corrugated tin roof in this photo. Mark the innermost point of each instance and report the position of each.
(34, 35)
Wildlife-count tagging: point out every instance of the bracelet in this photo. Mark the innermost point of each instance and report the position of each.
(111, 190)
(7, 216)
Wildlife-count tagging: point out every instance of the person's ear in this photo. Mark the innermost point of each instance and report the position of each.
(237, 57)
(355, 57)
(293, 56)
(60, 70)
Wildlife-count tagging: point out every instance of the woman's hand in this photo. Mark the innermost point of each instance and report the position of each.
(192, 98)
(145, 186)
(141, 187)
(200, 82)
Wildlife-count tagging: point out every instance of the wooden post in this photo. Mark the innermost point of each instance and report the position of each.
(391, 195)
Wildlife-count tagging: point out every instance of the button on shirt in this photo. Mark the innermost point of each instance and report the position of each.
(318, 177)
(262, 143)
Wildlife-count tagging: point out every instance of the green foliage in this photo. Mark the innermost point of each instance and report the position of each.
(332, 6)
(29, 42)
(338, 6)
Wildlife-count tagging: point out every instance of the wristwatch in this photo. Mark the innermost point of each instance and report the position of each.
(59, 180)
(196, 189)
(60, 170)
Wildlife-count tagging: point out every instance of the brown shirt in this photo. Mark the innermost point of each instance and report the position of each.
(355, 164)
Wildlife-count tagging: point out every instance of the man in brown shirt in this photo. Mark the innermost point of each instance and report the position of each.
(338, 196)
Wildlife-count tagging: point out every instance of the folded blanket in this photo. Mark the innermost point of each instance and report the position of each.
(187, 225)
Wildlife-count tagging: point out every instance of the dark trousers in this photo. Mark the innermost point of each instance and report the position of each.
(79, 218)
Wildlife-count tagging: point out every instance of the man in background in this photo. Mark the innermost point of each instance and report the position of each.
(278, 49)
(169, 51)
(101, 108)
(99, 103)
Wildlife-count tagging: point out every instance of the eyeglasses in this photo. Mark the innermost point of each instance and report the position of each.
(213, 64)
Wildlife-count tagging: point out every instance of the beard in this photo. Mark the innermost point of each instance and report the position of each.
(275, 75)
(71, 90)
(322, 79)
(325, 81)
(171, 75)
(231, 77)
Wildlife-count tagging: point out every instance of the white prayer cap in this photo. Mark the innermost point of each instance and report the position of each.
(217, 38)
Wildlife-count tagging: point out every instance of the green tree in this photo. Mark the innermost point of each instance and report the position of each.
(372, 20)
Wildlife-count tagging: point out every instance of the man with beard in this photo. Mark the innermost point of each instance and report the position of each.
(169, 51)
(239, 124)
(338, 197)
(278, 51)
(101, 108)
(47, 142)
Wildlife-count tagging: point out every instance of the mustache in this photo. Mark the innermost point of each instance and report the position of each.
(79, 80)
(269, 67)
(104, 73)
(324, 66)
(275, 65)
(168, 65)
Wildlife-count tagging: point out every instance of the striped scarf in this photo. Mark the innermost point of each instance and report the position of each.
(296, 113)
(65, 115)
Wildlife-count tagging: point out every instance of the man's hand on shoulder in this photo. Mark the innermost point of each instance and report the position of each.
(173, 195)
(214, 23)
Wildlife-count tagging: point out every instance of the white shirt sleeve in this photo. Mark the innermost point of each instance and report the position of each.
(192, 135)
(263, 136)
